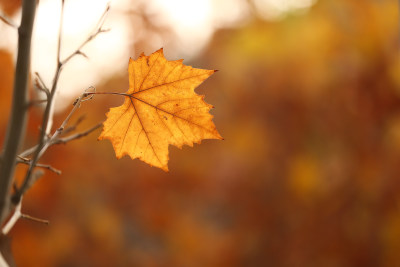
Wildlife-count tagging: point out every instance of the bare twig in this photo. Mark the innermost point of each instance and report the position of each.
(47, 120)
(74, 126)
(64, 140)
(14, 218)
(31, 218)
(29, 179)
(49, 167)
(23, 160)
(44, 166)
(40, 85)
(8, 21)
(60, 129)
(20, 105)
(18, 119)
(98, 29)
(28, 151)
(77, 135)
(43, 85)
(47, 116)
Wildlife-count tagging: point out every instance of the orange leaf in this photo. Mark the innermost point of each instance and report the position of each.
(160, 108)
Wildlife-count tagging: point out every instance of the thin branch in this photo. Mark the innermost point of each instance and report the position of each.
(31, 218)
(14, 218)
(47, 120)
(40, 85)
(18, 120)
(102, 19)
(49, 167)
(28, 151)
(49, 111)
(64, 140)
(60, 33)
(74, 126)
(98, 29)
(45, 141)
(44, 166)
(76, 104)
(40, 150)
(23, 160)
(62, 63)
(8, 21)
(43, 85)
(76, 136)
(78, 50)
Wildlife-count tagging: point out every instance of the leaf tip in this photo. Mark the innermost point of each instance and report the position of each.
(218, 136)
(162, 167)
(159, 51)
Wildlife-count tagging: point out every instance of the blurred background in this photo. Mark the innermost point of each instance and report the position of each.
(307, 99)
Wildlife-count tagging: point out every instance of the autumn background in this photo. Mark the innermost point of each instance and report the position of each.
(308, 101)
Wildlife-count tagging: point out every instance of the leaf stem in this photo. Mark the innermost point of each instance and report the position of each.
(107, 93)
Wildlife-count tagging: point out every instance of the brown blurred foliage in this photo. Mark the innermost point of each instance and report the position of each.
(308, 174)
(6, 84)
(9, 7)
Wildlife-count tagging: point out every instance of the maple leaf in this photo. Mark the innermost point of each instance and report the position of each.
(160, 108)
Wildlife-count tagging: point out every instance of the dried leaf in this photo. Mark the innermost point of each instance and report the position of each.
(160, 108)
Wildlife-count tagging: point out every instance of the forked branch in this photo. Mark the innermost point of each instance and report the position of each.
(17, 214)
(54, 139)
(44, 166)
(47, 121)
(98, 30)
(18, 119)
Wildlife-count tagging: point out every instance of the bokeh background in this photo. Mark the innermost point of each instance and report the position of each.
(307, 99)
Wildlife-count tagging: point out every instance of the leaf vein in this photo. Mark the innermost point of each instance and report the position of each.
(127, 129)
(147, 74)
(168, 83)
(122, 114)
(146, 133)
(172, 114)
